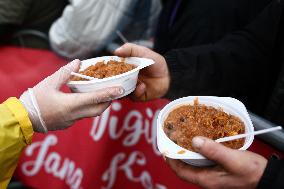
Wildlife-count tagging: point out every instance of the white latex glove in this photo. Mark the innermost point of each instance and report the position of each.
(51, 109)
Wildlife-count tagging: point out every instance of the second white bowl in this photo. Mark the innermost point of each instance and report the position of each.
(229, 105)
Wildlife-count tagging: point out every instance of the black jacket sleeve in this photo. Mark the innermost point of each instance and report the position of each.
(230, 64)
(273, 175)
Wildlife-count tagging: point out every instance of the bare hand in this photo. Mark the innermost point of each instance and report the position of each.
(235, 169)
(154, 80)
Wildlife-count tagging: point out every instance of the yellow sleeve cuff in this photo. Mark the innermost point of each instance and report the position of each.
(20, 113)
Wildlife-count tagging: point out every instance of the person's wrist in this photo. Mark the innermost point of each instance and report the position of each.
(271, 173)
(167, 78)
(28, 100)
(261, 165)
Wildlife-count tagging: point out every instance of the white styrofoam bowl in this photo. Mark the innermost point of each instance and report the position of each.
(229, 105)
(127, 80)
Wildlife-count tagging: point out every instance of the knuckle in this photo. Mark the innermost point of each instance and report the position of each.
(208, 184)
(192, 179)
(144, 48)
(212, 152)
(176, 167)
(113, 93)
(179, 167)
(77, 99)
(127, 44)
(95, 100)
(106, 96)
(181, 172)
(211, 185)
(198, 178)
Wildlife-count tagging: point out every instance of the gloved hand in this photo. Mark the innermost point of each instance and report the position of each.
(51, 109)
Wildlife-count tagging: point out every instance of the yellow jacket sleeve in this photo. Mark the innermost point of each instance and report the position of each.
(15, 133)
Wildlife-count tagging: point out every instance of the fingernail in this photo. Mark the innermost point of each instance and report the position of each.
(74, 62)
(121, 91)
(118, 49)
(197, 142)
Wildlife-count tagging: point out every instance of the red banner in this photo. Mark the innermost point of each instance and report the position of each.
(116, 150)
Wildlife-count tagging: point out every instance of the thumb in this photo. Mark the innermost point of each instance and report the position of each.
(80, 100)
(216, 152)
(129, 49)
(62, 75)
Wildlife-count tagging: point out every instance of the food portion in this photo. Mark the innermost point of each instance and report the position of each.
(188, 121)
(103, 70)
